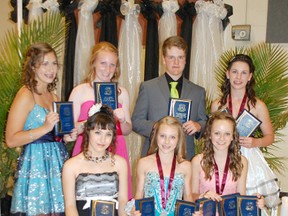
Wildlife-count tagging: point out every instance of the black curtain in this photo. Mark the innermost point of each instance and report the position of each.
(150, 11)
(67, 8)
(186, 13)
(109, 10)
(13, 13)
(226, 20)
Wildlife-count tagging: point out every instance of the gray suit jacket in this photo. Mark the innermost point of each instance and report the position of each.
(152, 104)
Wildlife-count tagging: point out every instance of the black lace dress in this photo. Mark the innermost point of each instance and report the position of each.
(91, 186)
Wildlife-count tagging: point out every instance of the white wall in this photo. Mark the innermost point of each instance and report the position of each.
(253, 12)
(5, 23)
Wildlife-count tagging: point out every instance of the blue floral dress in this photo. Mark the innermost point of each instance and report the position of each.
(38, 187)
(152, 189)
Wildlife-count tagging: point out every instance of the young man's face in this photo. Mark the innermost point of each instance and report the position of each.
(174, 60)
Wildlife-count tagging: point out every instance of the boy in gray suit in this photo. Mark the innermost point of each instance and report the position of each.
(153, 99)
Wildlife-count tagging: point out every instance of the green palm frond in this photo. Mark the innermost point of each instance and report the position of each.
(50, 28)
(271, 66)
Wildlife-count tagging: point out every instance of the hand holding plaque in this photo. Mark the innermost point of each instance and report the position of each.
(180, 108)
(247, 123)
(66, 123)
(106, 93)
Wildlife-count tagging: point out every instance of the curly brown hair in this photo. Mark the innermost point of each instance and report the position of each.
(180, 150)
(226, 86)
(207, 162)
(102, 120)
(34, 57)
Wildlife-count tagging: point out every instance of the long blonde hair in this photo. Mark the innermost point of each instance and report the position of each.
(180, 150)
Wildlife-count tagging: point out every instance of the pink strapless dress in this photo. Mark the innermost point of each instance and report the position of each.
(121, 148)
(205, 185)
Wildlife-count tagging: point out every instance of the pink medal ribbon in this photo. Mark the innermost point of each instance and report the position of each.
(162, 183)
(224, 178)
(241, 106)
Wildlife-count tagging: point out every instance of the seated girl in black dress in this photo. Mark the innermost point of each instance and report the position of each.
(96, 173)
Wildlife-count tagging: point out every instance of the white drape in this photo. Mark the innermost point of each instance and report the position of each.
(130, 49)
(35, 10)
(168, 21)
(51, 5)
(85, 39)
(167, 26)
(207, 44)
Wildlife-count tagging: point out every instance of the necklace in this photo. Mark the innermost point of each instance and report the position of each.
(96, 159)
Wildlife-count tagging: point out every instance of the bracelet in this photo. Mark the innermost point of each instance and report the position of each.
(31, 136)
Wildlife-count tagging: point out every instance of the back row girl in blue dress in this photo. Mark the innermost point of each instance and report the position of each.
(38, 187)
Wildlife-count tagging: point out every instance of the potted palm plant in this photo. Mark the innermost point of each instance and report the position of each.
(271, 64)
(49, 28)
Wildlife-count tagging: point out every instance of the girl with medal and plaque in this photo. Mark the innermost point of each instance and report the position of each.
(164, 174)
(31, 126)
(238, 94)
(96, 179)
(104, 67)
(220, 169)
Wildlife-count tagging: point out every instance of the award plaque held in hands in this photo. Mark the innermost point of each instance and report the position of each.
(66, 123)
(145, 206)
(183, 208)
(228, 205)
(247, 205)
(106, 93)
(180, 108)
(102, 208)
(247, 123)
(207, 206)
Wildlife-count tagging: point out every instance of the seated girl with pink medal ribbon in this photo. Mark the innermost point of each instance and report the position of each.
(220, 169)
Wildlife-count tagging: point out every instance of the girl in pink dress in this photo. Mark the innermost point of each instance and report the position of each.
(220, 161)
(220, 169)
(104, 67)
